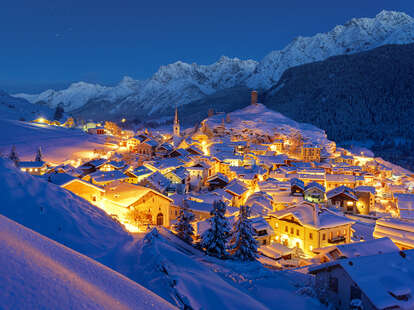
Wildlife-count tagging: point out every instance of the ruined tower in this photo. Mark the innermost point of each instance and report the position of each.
(254, 98)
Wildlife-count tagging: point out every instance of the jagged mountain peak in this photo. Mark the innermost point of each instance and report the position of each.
(356, 35)
(180, 83)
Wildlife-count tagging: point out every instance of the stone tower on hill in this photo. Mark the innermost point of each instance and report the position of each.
(254, 98)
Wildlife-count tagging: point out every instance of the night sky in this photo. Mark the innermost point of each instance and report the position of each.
(52, 43)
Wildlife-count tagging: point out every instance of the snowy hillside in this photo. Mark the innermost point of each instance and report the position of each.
(264, 121)
(21, 109)
(58, 144)
(161, 262)
(57, 213)
(38, 273)
(185, 276)
(181, 83)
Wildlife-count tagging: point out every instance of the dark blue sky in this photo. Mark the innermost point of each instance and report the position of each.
(51, 43)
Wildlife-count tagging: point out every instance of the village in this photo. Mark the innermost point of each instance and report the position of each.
(312, 206)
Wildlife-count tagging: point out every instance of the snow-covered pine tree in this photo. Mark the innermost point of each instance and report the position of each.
(243, 246)
(184, 229)
(39, 155)
(214, 240)
(13, 156)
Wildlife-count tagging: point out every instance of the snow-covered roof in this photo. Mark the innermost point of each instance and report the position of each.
(125, 194)
(236, 187)
(193, 205)
(95, 163)
(259, 223)
(182, 152)
(218, 175)
(386, 279)
(117, 164)
(298, 183)
(106, 176)
(180, 172)
(313, 216)
(275, 250)
(362, 248)
(158, 181)
(168, 147)
(165, 163)
(151, 143)
(399, 231)
(311, 170)
(141, 170)
(31, 164)
(365, 189)
(260, 203)
(272, 159)
(340, 178)
(318, 177)
(59, 178)
(314, 185)
(273, 185)
(287, 169)
(341, 190)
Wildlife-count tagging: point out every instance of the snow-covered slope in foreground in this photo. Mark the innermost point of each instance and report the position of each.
(38, 273)
(58, 144)
(188, 278)
(57, 213)
(181, 83)
(161, 262)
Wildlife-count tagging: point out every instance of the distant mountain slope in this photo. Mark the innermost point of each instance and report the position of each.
(181, 83)
(175, 84)
(356, 35)
(58, 144)
(38, 273)
(361, 97)
(21, 109)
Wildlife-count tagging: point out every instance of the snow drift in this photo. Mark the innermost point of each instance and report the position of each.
(38, 273)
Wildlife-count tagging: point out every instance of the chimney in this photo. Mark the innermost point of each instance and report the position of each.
(315, 214)
(254, 98)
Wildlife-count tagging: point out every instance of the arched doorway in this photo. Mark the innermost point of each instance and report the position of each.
(160, 219)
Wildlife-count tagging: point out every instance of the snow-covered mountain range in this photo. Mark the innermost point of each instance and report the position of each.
(181, 83)
(19, 108)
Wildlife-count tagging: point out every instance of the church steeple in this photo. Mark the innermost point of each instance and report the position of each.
(176, 127)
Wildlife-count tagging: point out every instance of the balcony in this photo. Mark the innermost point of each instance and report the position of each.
(338, 239)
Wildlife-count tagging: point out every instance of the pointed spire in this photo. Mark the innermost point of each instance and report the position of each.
(176, 127)
(176, 116)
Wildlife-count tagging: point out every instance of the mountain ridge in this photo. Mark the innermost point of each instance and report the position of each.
(181, 83)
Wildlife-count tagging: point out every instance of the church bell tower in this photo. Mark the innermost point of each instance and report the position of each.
(176, 128)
